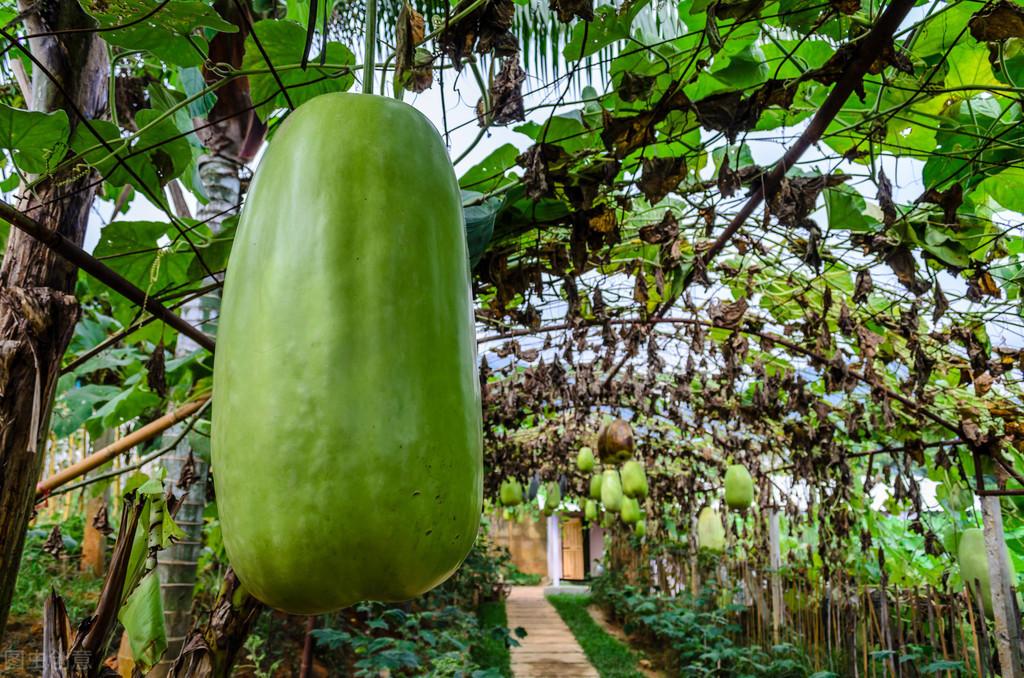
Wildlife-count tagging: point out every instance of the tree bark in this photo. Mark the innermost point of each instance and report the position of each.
(38, 310)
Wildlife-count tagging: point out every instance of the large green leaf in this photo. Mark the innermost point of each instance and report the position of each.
(168, 30)
(143, 618)
(37, 140)
(284, 43)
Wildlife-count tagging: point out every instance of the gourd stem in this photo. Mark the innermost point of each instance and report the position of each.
(370, 48)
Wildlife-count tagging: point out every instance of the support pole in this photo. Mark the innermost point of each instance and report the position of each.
(775, 563)
(1004, 608)
(147, 432)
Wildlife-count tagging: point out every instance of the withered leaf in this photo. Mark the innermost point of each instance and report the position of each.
(982, 284)
(902, 262)
(538, 161)
(101, 520)
(602, 220)
(623, 135)
(660, 177)
(412, 66)
(728, 315)
(797, 196)
(885, 199)
(569, 9)
(487, 29)
(863, 286)
(949, 200)
(997, 22)
(156, 371)
(661, 232)
(634, 86)
(941, 304)
(54, 544)
(507, 93)
(847, 7)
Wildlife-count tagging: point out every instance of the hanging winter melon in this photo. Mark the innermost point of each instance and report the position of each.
(973, 561)
(640, 528)
(710, 530)
(630, 511)
(511, 492)
(595, 486)
(347, 447)
(585, 460)
(552, 497)
(590, 511)
(611, 490)
(739, 487)
(634, 480)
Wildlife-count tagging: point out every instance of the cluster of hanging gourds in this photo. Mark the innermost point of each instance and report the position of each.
(621, 485)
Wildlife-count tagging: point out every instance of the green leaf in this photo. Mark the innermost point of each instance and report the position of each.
(37, 140)
(143, 618)
(284, 43)
(168, 30)
(608, 27)
(491, 172)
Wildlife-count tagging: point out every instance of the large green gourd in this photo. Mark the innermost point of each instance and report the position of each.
(634, 480)
(710, 531)
(511, 492)
(347, 447)
(611, 490)
(974, 565)
(739, 487)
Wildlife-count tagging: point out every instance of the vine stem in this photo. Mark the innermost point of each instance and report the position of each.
(370, 46)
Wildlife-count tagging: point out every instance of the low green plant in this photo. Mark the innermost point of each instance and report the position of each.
(492, 647)
(40, 572)
(609, 656)
(437, 634)
(697, 634)
(256, 653)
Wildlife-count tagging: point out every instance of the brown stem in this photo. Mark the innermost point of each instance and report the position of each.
(97, 269)
(307, 649)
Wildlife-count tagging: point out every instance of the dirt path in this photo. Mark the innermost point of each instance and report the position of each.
(549, 650)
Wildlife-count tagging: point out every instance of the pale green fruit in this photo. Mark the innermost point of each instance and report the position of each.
(634, 480)
(585, 460)
(595, 486)
(974, 565)
(630, 510)
(739, 487)
(590, 511)
(611, 490)
(710, 531)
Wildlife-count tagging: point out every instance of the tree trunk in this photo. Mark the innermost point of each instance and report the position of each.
(177, 564)
(38, 310)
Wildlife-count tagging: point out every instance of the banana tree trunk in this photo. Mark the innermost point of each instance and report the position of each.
(177, 564)
(38, 310)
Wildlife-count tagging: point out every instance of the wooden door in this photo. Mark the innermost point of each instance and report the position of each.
(572, 549)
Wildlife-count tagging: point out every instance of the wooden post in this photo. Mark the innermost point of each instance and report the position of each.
(94, 542)
(775, 565)
(1007, 623)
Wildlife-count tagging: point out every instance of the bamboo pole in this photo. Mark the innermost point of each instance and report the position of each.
(93, 461)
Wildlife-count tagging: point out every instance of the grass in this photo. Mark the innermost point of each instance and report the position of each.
(611, 658)
(40, 572)
(492, 651)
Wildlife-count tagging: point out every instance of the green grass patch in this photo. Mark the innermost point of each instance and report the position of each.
(610, 657)
(491, 652)
(40, 572)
